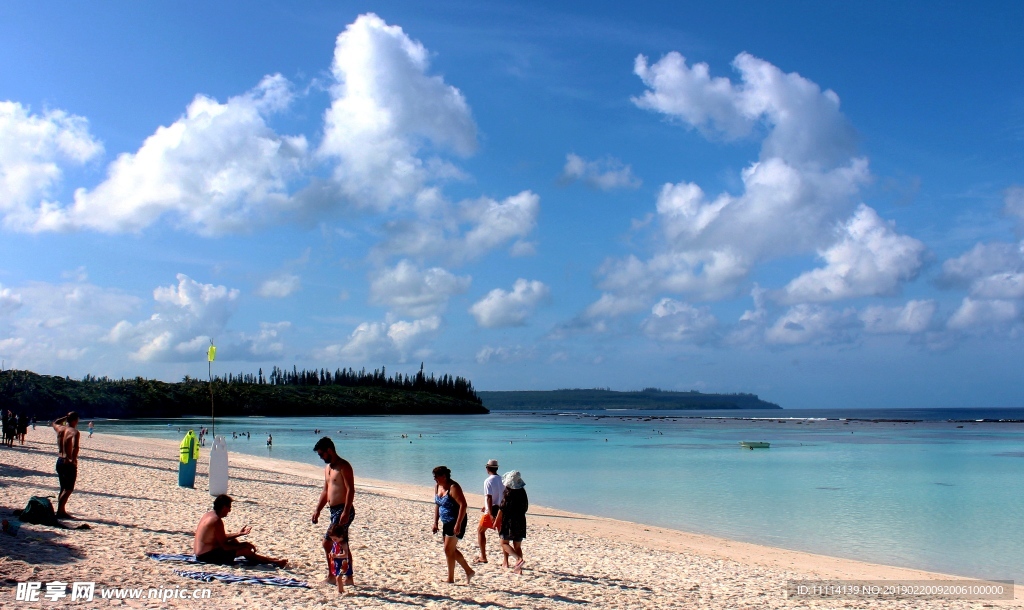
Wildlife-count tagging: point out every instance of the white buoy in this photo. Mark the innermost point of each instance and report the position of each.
(219, 467)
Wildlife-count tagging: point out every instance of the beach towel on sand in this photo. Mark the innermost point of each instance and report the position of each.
(248, 580)
(239, 561)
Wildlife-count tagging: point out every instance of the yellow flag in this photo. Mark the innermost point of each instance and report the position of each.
(211, 353)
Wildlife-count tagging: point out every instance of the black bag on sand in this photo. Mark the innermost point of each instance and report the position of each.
(40, 511)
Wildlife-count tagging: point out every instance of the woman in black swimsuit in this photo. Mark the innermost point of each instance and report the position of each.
(450, 509)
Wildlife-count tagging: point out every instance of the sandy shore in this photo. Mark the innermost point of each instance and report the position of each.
(127, 493)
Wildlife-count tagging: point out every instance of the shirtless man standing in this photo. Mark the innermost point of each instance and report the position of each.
(339, 490)
(67, 460)
(213, 545)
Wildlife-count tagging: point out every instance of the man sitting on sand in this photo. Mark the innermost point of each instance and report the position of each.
(213, 545)
(67, 460)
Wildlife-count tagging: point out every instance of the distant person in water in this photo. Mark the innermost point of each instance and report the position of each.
(450, 510)
(213, 545)
(494, 492)
(338, 493)
(513, 519)
(270, 440)
(67, 460)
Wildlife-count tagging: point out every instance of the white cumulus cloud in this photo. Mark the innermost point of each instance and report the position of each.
(416, 292)
(502, 308)
(69, 320)
(465, 231)
(220, 168)
(672, 320)
(985, 314)
(385, 109)
(34, 148)
(869, 259)
(806, 180)
(382, 341)
(188, 315)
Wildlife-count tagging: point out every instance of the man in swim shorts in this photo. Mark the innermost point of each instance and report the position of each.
(494, 491)
(213, 545)
(338, 492)
(67, 461)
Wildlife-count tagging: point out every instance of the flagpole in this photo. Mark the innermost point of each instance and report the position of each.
(210, 355)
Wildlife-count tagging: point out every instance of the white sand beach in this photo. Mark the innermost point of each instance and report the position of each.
(127, 493)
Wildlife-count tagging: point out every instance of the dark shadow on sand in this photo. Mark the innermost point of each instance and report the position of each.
(138, 527)
(7, 471)
(40, 547)
(593, 580)
(78, 492)
(394, 596)
(557, 598)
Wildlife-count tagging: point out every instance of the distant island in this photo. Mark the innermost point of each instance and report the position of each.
(282, 393)
(649, 398)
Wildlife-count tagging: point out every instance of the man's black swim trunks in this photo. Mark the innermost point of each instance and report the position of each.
(218, 556)
(67, 474)
(335, 516)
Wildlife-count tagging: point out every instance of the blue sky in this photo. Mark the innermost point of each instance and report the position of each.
(819, 203)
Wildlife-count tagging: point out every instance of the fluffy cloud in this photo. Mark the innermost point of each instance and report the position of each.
(913, 318)
(672, 320)
(869, 259)
(496, 223)
(982, 261)
(188, 315)
(500, 308)
(280, 286)
(66, 320)
(415, 292)
(805, 182)
(382, 341)
(465, 232)
(806, 125)
(810, 324)
(219, 168)
(385, 108)
(266, 343)
(33, 149)
(982, 314)
(994, 277)
(606, 174)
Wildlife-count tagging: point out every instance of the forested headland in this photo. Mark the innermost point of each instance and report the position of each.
(649, 398)
(281, 393)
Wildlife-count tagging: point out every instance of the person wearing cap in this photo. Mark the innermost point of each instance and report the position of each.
(494, 492)
(513, 519)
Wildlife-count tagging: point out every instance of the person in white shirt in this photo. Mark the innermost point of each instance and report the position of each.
(494, 491)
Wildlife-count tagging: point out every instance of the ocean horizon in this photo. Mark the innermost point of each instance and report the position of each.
(933, 489)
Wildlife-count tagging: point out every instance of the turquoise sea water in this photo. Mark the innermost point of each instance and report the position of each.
(940, 495)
